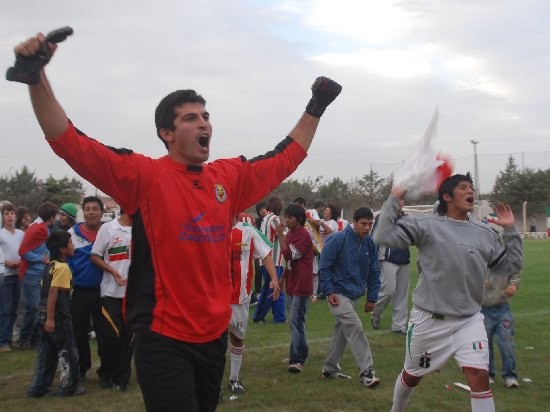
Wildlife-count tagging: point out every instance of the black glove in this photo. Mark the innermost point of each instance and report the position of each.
(324, 90)
(27, 68)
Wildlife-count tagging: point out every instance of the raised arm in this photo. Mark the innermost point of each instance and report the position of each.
(48, 111)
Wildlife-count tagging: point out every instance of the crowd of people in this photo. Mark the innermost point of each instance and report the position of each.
(182, 212)
(67, 278)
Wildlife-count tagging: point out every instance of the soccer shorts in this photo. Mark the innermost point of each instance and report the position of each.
(432, 340)
(239, 320)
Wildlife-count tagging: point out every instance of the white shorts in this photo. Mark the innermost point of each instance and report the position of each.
(239, 320)
(432, 342)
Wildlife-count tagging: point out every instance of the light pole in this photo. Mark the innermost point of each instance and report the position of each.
(476, 179)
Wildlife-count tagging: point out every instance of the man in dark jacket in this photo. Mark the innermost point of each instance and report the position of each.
(394, 266)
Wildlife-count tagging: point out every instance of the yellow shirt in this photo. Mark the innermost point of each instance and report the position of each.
(61, 275)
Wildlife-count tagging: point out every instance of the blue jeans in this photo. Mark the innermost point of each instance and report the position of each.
(499, 323)
(297, 309)
(9, 299)
(266, 302)
(58, 346)
(30, 293)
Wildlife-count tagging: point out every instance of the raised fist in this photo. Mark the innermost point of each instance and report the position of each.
(324, 91)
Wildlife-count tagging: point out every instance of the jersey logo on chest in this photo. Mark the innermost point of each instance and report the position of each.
(221, 194)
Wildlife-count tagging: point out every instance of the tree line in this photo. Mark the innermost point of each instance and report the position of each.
(512, 186)
(24, 188)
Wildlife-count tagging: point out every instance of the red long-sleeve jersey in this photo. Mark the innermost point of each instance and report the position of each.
(179, 282)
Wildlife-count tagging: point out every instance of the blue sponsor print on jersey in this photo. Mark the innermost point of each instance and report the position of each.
(195, 232)
(199, 217)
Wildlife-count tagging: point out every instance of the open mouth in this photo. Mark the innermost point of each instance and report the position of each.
(470, 199)
(203, 141)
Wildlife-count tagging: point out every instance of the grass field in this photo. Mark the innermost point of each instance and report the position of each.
(271, 387)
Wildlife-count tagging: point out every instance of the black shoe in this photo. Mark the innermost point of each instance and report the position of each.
(80, 390)
(105, 383)
(36, 395)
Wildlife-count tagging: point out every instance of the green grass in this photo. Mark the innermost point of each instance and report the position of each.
(271, 387)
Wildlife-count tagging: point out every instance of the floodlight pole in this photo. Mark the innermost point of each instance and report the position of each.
(476, 179)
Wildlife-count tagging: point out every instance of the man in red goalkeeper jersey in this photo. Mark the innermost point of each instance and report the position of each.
(182, 210)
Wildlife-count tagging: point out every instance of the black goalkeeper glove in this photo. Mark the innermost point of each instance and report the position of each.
(324, 91)
(27, 68)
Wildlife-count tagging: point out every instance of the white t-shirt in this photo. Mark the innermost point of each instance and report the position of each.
(9, 243)
(332, 225)
(113, 244)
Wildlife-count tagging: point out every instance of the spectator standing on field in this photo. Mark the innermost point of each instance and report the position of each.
(85, 302)
(10, 241)
(499, 324)
(348, 268)
(34, 256)
(395, 277)
(266, 302)
(57, 342)
(111, 252)
(297, 250)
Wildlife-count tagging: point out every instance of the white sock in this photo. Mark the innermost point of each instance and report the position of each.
(482, 401)
(236, 355)
(401, 394)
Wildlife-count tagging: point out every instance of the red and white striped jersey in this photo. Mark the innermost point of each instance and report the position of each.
(247, 244)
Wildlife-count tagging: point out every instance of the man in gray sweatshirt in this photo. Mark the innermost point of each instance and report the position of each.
(454, 254)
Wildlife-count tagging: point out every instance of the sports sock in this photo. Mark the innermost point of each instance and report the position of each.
(401, 395)
(482, 401)
(236, 355)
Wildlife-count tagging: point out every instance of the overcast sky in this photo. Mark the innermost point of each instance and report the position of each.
(485, 64)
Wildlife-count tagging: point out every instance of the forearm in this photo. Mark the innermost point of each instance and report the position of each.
(52, 300)
(387, 233)
(270, 268)
(304, 130)
(513, 261)
(48, 111)
(100, 263)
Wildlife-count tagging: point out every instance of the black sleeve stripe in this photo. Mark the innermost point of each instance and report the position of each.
(494, 263)
(121, 151)
(407, 232)
(272, 153)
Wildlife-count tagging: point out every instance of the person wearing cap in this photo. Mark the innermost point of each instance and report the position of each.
(66, 218)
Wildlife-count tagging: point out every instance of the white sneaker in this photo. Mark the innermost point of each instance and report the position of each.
(511, 383)
(491, 381)
(335, 375)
